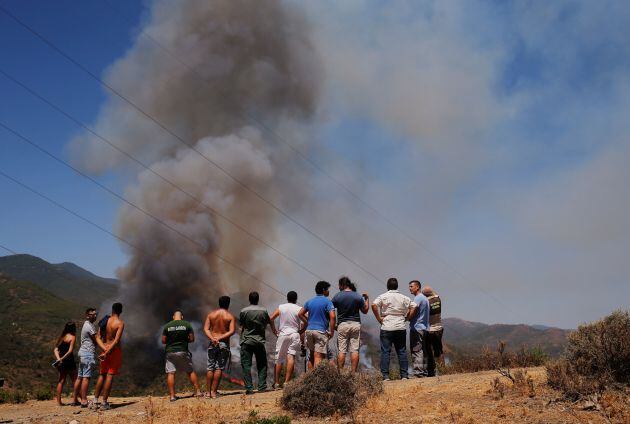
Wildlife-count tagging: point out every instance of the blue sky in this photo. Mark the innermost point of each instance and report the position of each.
(493, 132)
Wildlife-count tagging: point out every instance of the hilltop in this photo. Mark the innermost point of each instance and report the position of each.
(65, 280)
(461, 398)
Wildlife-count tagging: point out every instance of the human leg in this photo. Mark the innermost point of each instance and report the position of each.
(107, 386)
(400, 344)
(75, 386)
(60, 383)
(99, 386)
(170, 382)
(386, 345)
(261, 365)
(290, 367)
(85, 385)
(246, 364)
(417, 342)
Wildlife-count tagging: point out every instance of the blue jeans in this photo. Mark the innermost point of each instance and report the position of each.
(399, 339)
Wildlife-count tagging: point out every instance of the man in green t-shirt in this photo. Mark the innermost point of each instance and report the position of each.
(253, 322)
(176, 336)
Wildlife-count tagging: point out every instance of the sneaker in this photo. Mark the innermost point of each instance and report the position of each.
(387, 379)
(85, 405)
(105, 406)
(249, 392)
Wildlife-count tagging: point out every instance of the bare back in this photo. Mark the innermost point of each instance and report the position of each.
(220, 322)
(114, 325)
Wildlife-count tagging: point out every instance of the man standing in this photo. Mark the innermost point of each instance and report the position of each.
(253, 321)
(87, 355)
(219, 326)
(418, 328)
(319, 315)
(111, 358)
(176, 336)
(391, 310)
(348, 304)
(434, 336)
(290, 337)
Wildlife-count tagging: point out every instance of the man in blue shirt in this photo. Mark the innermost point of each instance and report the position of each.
(418, 328)
(318, 313)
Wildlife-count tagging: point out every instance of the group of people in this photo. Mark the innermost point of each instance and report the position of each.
(308, 329)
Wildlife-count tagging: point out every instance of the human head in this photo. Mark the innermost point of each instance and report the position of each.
(117, 308)
(322, 287)
(344, 283)
(90, 314)
(427, 291)
(224, 302)
(292, 297)
(253, 298)
(352, 286)
(177, 315)
(69, 328)
(414, 286)
(392, 284)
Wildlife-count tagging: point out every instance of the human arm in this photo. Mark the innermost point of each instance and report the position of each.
(206, 327)
(366, 303)
(302, 316)
(377, 313)
(70, 349)
(275, 315)
(272, 324)
(332, 317)
(191, 335)
(413, 308)
(56, 353)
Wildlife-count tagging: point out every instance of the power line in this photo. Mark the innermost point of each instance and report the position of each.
(113, 193)
(191, 146)
(105, 230)
(252, 118)
(151, 170)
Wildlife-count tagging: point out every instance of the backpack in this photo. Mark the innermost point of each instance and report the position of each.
(102, 326)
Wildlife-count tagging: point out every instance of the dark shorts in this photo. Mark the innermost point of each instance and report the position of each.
(218, 356)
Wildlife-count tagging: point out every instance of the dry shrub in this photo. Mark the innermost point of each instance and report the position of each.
(253, 418)
(325, 391)
(497, 358)
(597, 358)
(520, 383)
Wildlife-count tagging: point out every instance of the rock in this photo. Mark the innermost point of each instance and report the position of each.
(73, 422)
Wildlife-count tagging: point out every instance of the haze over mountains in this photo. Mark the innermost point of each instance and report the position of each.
(37, 298)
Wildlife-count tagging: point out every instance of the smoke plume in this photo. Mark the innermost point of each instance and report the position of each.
(229, 59)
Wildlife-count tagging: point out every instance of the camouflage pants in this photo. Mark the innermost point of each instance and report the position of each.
(418, 344)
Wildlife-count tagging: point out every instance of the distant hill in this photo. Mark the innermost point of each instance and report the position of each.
(32, 319)
(65, 280)
(471, 337)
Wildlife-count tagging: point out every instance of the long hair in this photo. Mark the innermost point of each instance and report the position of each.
(69, 328)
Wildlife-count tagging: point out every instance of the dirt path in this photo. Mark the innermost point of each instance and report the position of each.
(462, 398)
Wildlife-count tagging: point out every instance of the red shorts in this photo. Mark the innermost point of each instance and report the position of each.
(112, 362)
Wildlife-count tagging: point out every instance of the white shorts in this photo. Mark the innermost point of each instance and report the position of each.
(289, 344)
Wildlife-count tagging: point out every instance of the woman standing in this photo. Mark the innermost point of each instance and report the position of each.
(65, 360)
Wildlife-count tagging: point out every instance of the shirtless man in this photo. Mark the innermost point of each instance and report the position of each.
(111, 358)
(219, 326)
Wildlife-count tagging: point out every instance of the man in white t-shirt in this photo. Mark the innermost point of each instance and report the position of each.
(392, 310)
(290, 337)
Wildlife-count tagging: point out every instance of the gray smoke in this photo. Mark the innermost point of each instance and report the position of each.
(255, 58)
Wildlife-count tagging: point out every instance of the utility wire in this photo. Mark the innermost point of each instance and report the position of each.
(189, 145)
(101, 228)
(157, 174)
(258, 122)
(113, 193)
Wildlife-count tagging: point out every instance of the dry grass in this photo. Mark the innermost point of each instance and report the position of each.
(326, 391)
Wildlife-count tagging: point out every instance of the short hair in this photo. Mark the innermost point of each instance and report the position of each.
(416, 282)
(178, 311)
(321, 287)
(392, 284)
(253, 298)
(344, 282)
(292, 297)
(117, 308)
(89, 310)
(224, 302)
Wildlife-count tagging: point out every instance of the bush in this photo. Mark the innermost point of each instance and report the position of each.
(12, 396)
(493, 359)
(597, 357)
(325, 391)
(254, 419)
(43, 394)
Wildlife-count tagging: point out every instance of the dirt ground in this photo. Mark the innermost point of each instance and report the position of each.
(460, 398)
